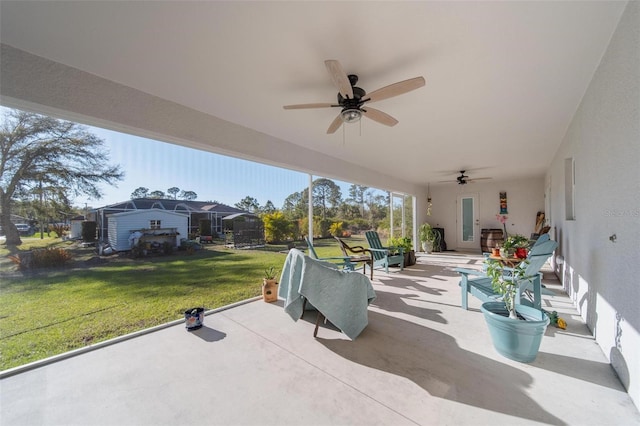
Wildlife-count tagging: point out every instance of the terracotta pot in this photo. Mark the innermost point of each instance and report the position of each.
(269, 290)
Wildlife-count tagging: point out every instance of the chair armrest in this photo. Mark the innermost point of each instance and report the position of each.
(383, 250)
(358, 249)
(399, 250)
(466, 271)
(342, 258)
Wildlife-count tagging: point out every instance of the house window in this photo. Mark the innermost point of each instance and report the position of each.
(154, 224)
(569, 188)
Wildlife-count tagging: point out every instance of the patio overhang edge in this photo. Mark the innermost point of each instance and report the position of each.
(40, 85)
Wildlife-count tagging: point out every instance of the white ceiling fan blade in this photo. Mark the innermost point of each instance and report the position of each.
(335, 124)
(379, 116)
(395, 89)
(305, 106)
(339, 78)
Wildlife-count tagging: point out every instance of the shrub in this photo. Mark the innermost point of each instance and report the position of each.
(50, 257)
(321, 228)
(167, 247)
(276, 227)
(336, 229)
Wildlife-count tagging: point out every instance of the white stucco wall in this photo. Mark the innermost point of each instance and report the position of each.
(525, 197)
(601, 276)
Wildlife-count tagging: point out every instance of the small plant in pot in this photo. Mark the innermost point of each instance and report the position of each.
(270, 285)
(427, 237)
(515, 245)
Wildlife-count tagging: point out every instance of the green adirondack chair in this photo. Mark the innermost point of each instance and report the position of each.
(480, 285)
(341, 261)
(384, 256)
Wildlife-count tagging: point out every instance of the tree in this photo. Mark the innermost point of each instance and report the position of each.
(157, 194)
(378, 206)
(326, 194)
(294, 205)
(268, 207)
(39, 151)
(356, 195)
(140, 192)
(188, 195)
(248, 204)
(173, 191)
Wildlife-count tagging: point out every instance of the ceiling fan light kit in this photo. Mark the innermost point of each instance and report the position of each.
(351, 115)
(352, 98)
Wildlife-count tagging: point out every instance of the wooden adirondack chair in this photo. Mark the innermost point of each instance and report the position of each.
(384, 256)
(341, 261)
(357, 254)
(480, 286)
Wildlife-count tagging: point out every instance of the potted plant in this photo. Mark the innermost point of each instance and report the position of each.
(515, 245)
(516, 329)
(427, 237)
(407, 246)
(270, 285)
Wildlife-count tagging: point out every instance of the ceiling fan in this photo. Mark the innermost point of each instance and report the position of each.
(464, 179)
(352, 99)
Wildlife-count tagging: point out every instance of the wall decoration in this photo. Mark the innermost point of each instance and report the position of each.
(503, 203)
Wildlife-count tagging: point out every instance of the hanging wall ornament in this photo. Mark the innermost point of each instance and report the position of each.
(503, 203)
(429, 200)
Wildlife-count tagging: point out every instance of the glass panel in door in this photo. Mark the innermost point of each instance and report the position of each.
(468, 222)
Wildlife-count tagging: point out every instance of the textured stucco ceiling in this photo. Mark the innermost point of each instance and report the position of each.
(503, 78)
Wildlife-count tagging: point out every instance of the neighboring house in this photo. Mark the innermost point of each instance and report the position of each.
(153, 226)
(194, 210)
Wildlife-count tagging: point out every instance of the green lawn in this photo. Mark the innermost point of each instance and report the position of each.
(44, 313)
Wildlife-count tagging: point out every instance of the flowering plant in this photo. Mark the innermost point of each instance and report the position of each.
(503, 220)
(506, 284)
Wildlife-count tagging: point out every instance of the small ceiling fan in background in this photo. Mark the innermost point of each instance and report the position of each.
(464, 179)
(352, 99)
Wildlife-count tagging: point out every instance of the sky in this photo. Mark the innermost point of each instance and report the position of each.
(159, 166)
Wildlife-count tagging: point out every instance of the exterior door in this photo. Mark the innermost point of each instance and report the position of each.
(468, 222)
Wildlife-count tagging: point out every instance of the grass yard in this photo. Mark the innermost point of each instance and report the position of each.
(48, 312)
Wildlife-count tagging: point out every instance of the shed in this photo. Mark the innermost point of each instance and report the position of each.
(243, 230)
(153, 225)
(75, 227)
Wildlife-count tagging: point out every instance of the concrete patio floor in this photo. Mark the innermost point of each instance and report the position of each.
(421, 360)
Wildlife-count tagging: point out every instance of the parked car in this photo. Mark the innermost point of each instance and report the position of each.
(24, 229)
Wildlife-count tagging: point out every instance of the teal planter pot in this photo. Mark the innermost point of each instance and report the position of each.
(518, 340)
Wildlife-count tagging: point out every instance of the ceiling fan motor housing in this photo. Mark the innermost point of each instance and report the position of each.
(358, 94)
